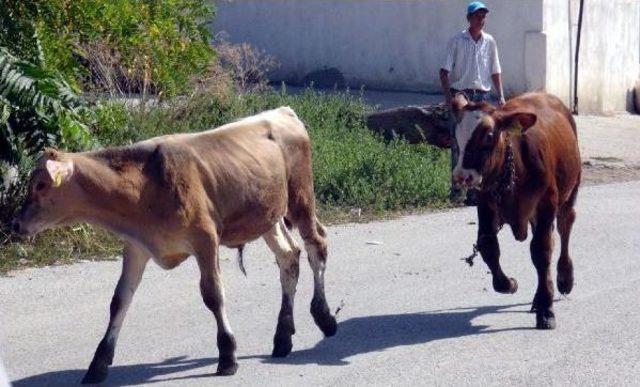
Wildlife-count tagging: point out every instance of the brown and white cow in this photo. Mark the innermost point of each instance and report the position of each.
(524, 157)
(180, 195)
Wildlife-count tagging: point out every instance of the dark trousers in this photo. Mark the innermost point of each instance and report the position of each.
(473, 94)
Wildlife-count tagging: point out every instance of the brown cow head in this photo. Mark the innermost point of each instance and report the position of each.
(478, 135)
(46, 204)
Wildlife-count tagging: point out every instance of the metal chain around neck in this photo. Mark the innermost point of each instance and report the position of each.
(507, 181)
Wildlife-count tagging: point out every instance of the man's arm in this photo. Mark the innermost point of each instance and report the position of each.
(497, 82)
(446, 87)
(496, 73)
(446, 68)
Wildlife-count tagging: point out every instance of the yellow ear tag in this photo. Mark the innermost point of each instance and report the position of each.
(516, 128)
(57, 180)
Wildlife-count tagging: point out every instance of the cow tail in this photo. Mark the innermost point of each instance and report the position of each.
(241, 259)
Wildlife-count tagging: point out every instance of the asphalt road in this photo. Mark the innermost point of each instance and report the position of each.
(412, 312)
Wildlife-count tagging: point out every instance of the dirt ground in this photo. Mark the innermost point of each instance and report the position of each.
(602, 174)
(609, 146)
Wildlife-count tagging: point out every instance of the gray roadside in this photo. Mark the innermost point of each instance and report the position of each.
(412, 312)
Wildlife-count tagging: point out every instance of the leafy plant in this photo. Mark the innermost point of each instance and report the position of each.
(127, 46)
(17, 30)
(37, 109)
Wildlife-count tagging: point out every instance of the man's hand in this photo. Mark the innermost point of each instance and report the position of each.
(497, 82)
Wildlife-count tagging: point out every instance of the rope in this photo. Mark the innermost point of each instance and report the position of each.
(506, 184)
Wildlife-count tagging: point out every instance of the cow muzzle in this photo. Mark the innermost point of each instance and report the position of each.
(18, 227)
(466, 179)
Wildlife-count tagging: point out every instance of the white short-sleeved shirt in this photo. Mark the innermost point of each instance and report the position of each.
(470, 64)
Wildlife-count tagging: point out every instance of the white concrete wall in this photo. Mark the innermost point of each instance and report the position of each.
(608, 65)
(384, 44)
(400, 44)
(557, 52)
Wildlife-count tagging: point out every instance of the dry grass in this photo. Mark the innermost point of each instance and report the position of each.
(247, 66)
(109, 74)
(59, 246)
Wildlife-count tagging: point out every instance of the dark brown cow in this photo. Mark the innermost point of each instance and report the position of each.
(525, 159)
(184, 195)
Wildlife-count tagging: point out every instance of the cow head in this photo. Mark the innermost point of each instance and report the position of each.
(48, 192)
(478, 134)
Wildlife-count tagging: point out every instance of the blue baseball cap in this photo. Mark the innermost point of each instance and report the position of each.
(476, 6)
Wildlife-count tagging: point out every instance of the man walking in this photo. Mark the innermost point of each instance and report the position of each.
(471, 65)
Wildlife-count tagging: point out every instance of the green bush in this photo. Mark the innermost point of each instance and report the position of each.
(37, 109)
(128, 45)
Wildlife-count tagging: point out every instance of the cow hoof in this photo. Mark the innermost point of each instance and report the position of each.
(281, 351)
(323, 318)
(565, 285)
(227, 368)
(95, 375)
(282, 346)
(545, 320)
(508, 287)
(328, 326)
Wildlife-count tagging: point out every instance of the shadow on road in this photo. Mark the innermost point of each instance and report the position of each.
(376, 333)
(355, 336)
(129, 375)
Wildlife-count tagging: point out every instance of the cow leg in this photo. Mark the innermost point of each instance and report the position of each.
(212, 291)
(134, 262)
(541, 250)
(315, 244)
(287, 254)
(490, 249)
(301, 213)
(566, 217)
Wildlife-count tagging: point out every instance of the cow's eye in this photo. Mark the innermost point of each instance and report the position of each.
(40, 186)
(488, 140)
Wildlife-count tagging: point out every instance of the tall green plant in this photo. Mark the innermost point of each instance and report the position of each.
(17, 29)
(37, 109)
(131, 45)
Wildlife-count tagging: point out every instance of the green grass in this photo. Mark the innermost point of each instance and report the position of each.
(59, 246)
(353, 168)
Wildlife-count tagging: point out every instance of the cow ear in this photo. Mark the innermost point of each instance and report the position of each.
(59, 171)
(517, 122)
(50, 153)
